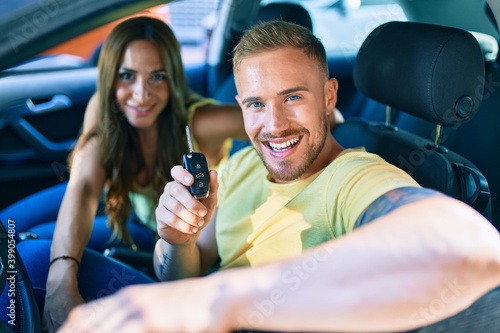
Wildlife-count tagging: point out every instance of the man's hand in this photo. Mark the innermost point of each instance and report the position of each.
(184, 306)
(179, 215)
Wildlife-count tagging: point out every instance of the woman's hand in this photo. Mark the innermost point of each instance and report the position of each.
(62, 294)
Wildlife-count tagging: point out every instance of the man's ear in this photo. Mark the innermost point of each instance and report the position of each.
(331, 87)
(238, 99)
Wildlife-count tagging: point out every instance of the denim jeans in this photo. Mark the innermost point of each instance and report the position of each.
(38, 208)
(98, 276)
(37, 213)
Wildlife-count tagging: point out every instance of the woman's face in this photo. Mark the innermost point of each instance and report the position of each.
(141, 86)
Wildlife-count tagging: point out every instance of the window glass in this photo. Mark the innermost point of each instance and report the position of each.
(192, 22)
(342, 25)
(86, 44)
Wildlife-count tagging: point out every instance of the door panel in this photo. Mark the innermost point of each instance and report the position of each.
(41, 115)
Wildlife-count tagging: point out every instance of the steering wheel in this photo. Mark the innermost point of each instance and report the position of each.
(27, 316)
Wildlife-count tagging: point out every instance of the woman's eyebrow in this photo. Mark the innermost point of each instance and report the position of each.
(160, 70)
(125, 69)
(154, 71)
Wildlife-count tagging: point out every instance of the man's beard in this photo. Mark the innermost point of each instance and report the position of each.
(285, 171)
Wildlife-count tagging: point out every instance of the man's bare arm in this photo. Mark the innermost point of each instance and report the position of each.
(381, 277)
(391, 201)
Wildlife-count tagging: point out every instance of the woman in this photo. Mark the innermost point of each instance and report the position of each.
(133, 134)
(168, 89)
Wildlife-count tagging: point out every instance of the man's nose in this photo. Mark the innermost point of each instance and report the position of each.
(276, 118)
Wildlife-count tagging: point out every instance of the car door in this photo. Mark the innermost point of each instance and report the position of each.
(41, 113)
(43, 97)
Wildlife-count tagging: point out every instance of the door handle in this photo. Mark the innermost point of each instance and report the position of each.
(58, 102)
(23, 108)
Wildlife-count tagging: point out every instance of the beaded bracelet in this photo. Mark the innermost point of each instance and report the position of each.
(65, 257)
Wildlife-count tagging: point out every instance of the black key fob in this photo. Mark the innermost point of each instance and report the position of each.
(197, 165)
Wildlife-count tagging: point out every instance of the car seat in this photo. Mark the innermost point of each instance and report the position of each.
(433, 73)
(476, 139)
(482, 316)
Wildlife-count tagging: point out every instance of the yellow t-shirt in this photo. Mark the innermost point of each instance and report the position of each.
(259, 221)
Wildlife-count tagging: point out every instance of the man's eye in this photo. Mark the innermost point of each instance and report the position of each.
(125, 76)
(255, 105)
(293, 98)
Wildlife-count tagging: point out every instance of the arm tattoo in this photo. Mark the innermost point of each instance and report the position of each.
(392, 200)
(165, 263)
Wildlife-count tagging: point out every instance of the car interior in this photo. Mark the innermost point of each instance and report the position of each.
(412, 64)
(28, 319)
(422, 94)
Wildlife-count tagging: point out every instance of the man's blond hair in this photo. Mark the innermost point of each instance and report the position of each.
(277, 34)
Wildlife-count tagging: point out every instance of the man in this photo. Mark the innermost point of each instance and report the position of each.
(285, 207)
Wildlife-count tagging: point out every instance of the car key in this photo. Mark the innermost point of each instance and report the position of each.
(197, 165)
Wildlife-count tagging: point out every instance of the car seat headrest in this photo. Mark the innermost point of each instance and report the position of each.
(432, 72)
(290, 12)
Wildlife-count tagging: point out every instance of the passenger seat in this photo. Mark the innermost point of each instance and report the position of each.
(434, 73)
(478, 140)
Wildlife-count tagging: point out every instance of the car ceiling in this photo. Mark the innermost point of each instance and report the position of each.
(34, 26)
(44, 24)
(469, 15)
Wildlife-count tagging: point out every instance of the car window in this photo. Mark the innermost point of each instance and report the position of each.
(342, 25)
(191, 22)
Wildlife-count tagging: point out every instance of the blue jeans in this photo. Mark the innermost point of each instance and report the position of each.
(98, 276)
(37, 213)
(38, 208)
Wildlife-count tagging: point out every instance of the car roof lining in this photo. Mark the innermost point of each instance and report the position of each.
(450, 13)
(44, 27)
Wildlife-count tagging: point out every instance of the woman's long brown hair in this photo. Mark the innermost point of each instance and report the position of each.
(123, 158)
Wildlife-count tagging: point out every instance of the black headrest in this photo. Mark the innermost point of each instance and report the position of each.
(432, 72)
(290, 12)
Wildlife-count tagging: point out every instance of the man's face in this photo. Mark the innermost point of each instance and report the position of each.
(286, 100)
